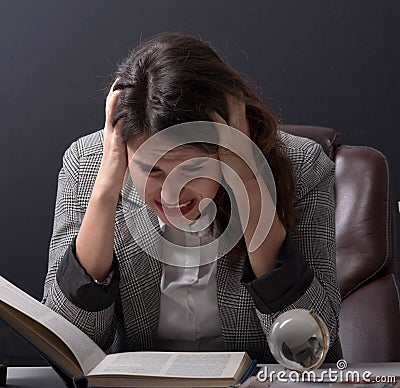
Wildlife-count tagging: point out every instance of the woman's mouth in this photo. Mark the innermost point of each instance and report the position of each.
(177, 210)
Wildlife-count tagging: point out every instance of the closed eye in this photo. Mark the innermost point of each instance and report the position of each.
(193, 169)
(147, 169)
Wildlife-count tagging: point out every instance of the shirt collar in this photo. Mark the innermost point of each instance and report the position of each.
(198, 224)
(162, 224)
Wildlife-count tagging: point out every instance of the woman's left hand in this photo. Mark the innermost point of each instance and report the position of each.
(264, 232)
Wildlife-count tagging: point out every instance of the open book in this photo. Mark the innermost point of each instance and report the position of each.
(75, 355)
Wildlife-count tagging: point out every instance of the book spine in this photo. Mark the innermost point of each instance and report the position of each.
(77, 382)
(249, 372)
(81, 382)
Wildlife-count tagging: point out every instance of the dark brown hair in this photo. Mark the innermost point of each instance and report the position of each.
(174, 78)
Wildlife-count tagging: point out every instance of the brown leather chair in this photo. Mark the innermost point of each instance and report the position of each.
(365, 248)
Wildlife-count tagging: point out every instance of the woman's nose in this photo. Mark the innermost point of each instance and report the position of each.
(170, 194)
(172, 189)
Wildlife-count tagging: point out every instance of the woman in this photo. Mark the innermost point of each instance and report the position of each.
(104, 272)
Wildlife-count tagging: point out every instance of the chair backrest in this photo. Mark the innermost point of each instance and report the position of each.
(367, 266)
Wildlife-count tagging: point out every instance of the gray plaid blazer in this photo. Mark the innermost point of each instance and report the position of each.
(130, 323)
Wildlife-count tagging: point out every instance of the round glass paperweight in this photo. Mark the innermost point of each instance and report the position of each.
(299, 340)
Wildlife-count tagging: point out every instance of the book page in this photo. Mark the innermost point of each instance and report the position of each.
(86, 351)
(167, 364)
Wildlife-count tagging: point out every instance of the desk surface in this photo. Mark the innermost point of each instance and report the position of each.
(253, 383)
(35, 377)
(45, 377)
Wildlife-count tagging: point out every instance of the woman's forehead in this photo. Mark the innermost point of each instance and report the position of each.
(162, 146)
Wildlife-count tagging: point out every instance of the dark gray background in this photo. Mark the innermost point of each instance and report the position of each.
(333, 63)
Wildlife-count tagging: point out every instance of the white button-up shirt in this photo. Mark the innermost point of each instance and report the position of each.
(189, 319)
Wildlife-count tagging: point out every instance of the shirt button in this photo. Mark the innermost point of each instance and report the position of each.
(190, 280)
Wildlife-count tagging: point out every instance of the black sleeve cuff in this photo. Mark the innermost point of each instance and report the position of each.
(81, 289)
(286, 283)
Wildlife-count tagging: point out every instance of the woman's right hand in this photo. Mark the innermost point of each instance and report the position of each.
(114, 163)
(94, 244)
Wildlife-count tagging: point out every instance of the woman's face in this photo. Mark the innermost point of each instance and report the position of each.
(175, 184)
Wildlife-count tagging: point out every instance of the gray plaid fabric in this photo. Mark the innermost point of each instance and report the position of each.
(130, 323)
